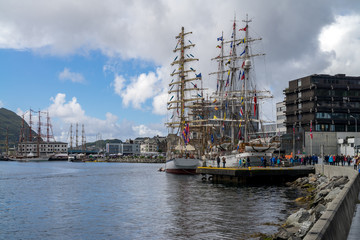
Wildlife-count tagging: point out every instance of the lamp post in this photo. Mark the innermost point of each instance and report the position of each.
(355, 122)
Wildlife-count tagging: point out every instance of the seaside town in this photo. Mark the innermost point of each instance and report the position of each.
(201, 139)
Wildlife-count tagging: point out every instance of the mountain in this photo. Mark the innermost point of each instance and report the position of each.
(13, 122)
(101, 144)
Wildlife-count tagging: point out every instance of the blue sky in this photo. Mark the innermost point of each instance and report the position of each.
(106, 64)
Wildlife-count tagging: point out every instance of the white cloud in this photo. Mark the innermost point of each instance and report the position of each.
(64, 113)
(66, 74)
(342, 40)
(139, 90)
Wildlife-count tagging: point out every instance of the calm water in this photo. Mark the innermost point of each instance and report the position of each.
(61, 200)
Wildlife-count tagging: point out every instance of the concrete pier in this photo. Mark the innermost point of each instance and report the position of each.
(258, 175)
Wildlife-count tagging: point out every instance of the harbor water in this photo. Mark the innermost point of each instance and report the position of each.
(63, 200)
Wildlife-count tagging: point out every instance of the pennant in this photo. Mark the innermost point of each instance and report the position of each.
(171, 98)
(190, 42)
(218, 46)
(228, 62)
(188, 55)
(239, 74)
(198, 75)
(174, 70)
(243, 64)
(220, 38)
(199, 95)
(231, 44)
(216, 108)
(172, 116)
(212, 138)
(195, 85)
(215, 101)
(242, 101)
(201, 116)
(311, 134)
(228, 72)
(215, 117)
(242, 53)
(175, 58)
(191, 55)
(243, 29)
(224, 115)
(192, 69)
(241, 113)
(243, 75)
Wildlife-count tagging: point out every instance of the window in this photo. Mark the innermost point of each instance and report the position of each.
(299, 106)
(299, 83)
(299, 94)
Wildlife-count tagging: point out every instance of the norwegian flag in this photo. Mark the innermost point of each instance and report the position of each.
(311, 134)
(255, 102)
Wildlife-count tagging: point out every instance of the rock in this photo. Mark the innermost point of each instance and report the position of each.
(321, 194)
(282, 234)
(340, 182)
(312, 179)
(304, 228)
(332, 195)
(297, 218)
(319, 210)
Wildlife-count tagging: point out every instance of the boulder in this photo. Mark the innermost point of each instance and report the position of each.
(282, 234)
(332, 195)
(340, 182)
(304, 228)
(297, 218)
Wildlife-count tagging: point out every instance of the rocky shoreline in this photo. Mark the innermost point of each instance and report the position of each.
(320, 191)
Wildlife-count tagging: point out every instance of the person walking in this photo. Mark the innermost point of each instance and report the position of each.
(218, 161)
(224, 161)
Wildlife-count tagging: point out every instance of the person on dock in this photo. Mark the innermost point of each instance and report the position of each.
(243, 162)
(224, 161)
(218, 160)
(248, 161)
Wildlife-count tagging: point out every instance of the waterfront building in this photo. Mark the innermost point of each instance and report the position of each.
(320, 109)
(45, 148)
(123, 148)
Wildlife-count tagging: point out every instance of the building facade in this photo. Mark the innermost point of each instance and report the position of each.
(280, 118)
(325, 103)
(45, 148)
(123, 148)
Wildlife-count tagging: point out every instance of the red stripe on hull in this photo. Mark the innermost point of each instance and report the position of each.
(181, 171)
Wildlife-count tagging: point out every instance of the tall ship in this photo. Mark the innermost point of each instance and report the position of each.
(234, 114)
(186, 142)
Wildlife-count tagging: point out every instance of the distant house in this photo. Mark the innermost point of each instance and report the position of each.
(123, 148)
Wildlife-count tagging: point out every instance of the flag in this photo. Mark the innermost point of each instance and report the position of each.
(191, 55)
(224, 115)
(311, 134)
(242, 101)
(243, 75)
(220, 38)
(215, 117)
(216, 108)
(255, 102)
(214, 101)
(241, 112)
(229, 72)
(192, 69)
(243, 29)
(199, 95)
(242, 53)
(228, 62)
(190, 42)
(198, 75)
(172, 116)
(175, 58)
(212, 138)
(243, 64)
(171, 98)
(218, 46)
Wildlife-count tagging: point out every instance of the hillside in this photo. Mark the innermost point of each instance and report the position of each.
(101, 143)
(13, 122)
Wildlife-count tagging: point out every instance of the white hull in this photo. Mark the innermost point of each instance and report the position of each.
(183, 165)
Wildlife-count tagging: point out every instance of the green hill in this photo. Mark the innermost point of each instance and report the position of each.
(12, 123)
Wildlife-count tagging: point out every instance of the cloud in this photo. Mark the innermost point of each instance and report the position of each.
(139, 90)
(66, 74)
(64, 113)
(341, 40)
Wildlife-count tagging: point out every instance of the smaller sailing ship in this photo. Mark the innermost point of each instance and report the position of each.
(235, 120)
(184, 105)
(30, 151)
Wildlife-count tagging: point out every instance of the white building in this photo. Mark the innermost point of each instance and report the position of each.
(280, 118)
(149, 146)
(45, 148)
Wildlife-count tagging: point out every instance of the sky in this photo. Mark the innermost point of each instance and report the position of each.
(106, 64)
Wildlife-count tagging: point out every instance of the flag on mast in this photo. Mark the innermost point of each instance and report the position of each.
(311, 134)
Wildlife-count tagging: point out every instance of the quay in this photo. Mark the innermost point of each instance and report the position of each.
(269, 175)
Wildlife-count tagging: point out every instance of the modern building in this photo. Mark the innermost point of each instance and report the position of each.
(45, 148)
(320, 110)
(280, 118)
(123, 148)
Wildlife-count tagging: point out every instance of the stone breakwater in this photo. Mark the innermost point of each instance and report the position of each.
(320, 192)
